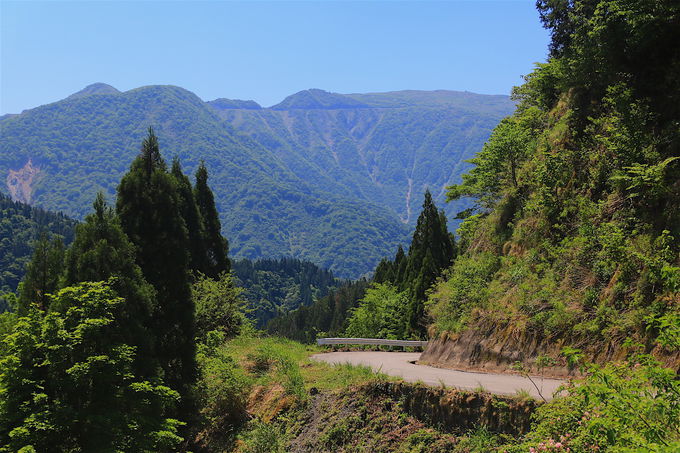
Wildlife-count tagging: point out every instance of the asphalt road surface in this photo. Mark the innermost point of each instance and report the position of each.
(400, 364)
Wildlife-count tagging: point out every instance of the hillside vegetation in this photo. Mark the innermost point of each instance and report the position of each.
(21, 226)
(274, 287)
(327, 185)
(575, 234)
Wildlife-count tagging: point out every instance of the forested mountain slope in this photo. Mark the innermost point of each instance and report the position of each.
(273, 287)
(383, 147)
(575, 239)
(325, 184)
(20, 226)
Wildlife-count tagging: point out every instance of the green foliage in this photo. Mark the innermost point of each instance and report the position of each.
(149, 208)
(631, 406)
(198, 251)
(432, 250)
(465, 288)
(101, 251)
(219, 305)
(326, 316)
(264, 438)
(276, 287)
(67, 381)
(217, 248)
(498, 163)
(42, 274)
(221, 393)
(20, 227)
(381, 313)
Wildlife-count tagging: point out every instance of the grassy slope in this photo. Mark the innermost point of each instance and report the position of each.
(300, 405)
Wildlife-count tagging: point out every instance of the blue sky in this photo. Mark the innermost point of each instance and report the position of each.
(264, 50)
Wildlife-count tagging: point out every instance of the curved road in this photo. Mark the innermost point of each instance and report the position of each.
(401, 364)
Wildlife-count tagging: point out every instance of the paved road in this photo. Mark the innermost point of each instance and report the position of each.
(401, 364)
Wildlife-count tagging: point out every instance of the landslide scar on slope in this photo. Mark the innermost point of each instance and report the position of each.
(20, 182)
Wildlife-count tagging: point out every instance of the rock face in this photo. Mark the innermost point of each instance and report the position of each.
(496, 348)
(459, 411)
(20, 183)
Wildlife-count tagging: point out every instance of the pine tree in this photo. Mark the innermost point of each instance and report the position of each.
(101, 250)
(149, 209)
(42, 274)
(217, 245)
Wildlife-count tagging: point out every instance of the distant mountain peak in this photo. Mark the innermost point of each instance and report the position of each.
(95, 88)
(318, 99)
(234, 104)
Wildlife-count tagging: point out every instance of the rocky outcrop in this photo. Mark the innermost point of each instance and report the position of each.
(496, 348)
(458, 411)
(22, 182)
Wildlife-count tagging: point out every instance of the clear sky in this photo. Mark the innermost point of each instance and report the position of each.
(264, 50)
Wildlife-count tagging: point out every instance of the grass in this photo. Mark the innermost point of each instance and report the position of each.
(291, 360)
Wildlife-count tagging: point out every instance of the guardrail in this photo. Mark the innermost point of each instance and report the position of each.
(371, 341)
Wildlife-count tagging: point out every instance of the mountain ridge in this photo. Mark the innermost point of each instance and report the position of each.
(307, 183)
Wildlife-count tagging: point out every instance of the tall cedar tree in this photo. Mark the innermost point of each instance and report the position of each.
(42, 274)
(432, 250)
(101, 250)
(198, 252)
(149, 208)
(217, 245)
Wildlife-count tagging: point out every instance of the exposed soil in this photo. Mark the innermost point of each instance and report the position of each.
(21, 182)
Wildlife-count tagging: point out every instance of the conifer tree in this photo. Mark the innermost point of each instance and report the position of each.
(149, 209)
(101, 250)
(217, 245)
(432, 250)
(42, 274)
(198, 253)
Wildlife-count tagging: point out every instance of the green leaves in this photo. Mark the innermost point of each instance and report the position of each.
(67, 382)
(645, 180)
(631, 406)
(381, 313)
(219, 305)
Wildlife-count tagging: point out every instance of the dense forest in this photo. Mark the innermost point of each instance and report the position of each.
(273, 287)
(21, 226)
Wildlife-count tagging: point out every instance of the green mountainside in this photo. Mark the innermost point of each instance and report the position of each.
(326, 180)
(273, 287)
(381, 147)
(20, 226)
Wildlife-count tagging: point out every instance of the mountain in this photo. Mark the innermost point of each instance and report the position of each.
(95, 88)
(381, 147)
(324, 177)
